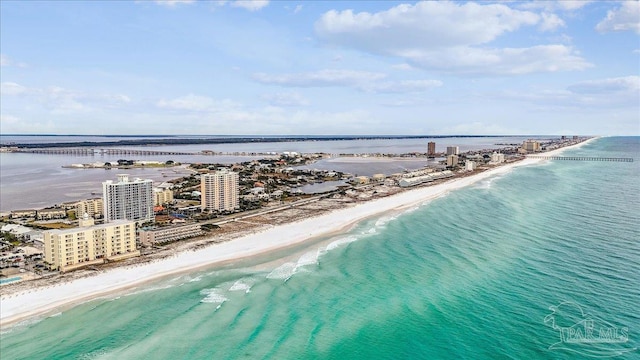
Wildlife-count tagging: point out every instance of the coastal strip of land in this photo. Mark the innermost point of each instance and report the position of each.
(40, 300)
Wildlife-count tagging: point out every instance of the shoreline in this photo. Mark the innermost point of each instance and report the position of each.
(37, 301)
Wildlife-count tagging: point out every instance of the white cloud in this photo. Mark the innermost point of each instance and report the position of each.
(286, 99)
(477, 128)
(404, 86)
(11, 88)
(320, 78)
(551, 22)
(60, 100)
(174, 3)
(403, 66)
(297, 9)
(608, 86)
(560, 5)
(426, 24)
(251, 5)
(624, 18)
(506, 61)
(16, 125)
(360, 80)
(449, 36)
(602, 93)
(6, 61)
(197, 103)
(210, 115)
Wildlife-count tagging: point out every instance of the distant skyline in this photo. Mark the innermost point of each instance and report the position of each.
(320, 68)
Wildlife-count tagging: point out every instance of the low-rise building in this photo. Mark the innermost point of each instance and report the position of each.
(29, 213)
(51, 214)
(149, 236)
(413, 181)
(90, 244)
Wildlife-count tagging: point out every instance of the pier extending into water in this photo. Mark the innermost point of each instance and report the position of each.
(580, 158)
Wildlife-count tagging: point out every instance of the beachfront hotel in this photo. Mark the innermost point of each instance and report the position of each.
(128, 200)
(90, 244)
(219, 191)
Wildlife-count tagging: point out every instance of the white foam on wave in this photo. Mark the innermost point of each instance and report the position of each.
(310, 258)
(341, 241)
(242, 285)
(196, 279)
(213, 296)
(283, 272)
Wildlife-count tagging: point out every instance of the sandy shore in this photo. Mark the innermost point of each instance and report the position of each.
(16, 307)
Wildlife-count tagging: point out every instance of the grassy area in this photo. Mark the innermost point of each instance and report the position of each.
(58, 225)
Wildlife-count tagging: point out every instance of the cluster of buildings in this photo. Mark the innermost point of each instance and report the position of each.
(125, 205)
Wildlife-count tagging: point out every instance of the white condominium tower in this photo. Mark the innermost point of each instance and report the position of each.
(219, 191)
(128, 200)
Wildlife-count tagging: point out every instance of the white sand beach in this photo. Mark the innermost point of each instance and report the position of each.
(37, 301)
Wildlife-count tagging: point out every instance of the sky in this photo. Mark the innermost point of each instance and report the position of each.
(320, 67)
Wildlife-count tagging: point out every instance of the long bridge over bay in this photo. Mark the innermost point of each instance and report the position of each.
(81, 151)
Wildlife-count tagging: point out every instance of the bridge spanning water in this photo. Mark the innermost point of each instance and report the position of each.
(580, 158)
(102, 152)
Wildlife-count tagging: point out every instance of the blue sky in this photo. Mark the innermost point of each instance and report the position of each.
(340, 67)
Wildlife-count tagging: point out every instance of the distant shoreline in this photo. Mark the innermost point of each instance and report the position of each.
(158, 140)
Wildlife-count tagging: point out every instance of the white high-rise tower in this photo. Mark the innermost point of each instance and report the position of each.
(128, 200)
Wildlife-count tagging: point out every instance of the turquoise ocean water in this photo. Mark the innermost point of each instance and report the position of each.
(471, 275)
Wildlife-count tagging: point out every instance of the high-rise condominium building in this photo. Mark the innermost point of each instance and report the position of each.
(219, 191)
(453, 150)
(128, 200)
(452, 160)
(89, 244)
(431, 148)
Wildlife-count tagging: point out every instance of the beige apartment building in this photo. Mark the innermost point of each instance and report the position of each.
(219, 191)
(91, 207)
(531, 145)
(90, 244)
(162, 196)
(452, 160)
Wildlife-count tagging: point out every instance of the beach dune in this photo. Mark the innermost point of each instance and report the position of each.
(38, 301)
